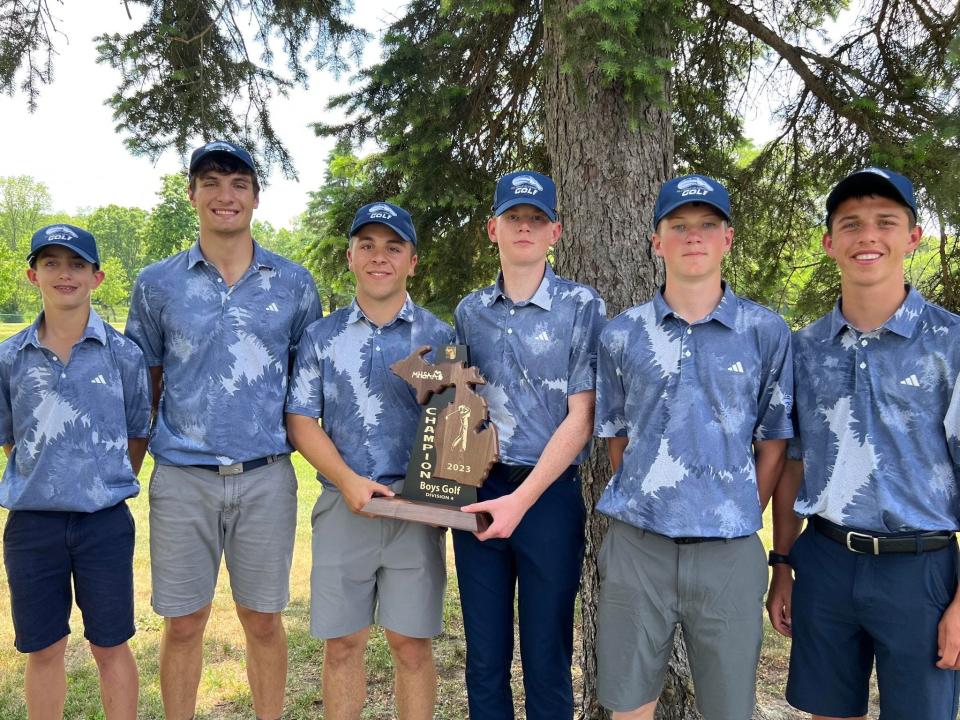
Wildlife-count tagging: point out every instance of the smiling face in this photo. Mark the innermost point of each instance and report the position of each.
(224, 201)
(869, 238)
(381, 261)
(692, 241)
(523, 234)
(64, 278)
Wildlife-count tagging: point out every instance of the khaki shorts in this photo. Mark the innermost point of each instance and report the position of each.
(198, 517)
(374, 569)
(713, 590)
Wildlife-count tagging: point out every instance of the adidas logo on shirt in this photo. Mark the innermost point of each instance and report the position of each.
(911, 381)
(736, 367)
(98, 380)
(272, 307)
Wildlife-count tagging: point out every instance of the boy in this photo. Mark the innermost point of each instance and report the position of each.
(218, 325)
(693, 392)
(533, 337)
(74, 416)
(367, 568)
(878, 418)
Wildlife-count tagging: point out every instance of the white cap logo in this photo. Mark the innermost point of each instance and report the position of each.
(525, 182)
(694, 183)
(382, 211)
(219, 145)
(877, 171)
(59, 232)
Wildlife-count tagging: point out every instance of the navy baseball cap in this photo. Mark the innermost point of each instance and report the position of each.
(70, 236)
(689, 189)
(221, 147)
(393, 216)
(525, 187)
(867, 182)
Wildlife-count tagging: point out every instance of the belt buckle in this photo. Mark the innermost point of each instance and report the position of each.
(235, 469)
(876, 543)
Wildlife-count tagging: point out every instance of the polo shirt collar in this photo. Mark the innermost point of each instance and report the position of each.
(725, 312)
(260, 259)
(94, 330)
(903, 322)
(543, 297)
(406, 313)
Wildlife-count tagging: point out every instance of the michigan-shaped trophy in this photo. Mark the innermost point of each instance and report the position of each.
(455, 446)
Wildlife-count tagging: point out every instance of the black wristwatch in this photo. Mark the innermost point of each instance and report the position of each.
(777, 559)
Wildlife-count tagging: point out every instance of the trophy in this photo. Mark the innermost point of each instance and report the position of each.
(454, 448)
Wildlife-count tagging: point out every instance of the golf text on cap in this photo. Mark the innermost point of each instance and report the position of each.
(59, 232)
(694, 186)
(384, 212)
(219, 145)
(526, 185)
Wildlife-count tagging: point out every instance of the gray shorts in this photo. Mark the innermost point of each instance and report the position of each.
(714, 590)
(367, 569)
(198, 517)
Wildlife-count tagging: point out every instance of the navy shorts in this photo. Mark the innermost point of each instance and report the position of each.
(45, 551)
(848, 609)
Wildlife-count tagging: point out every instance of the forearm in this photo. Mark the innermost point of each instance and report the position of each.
(561, 450)
(8, 449)
(616, 447)
(137, 449)
(786, 524)
(771, 456)
(156, 388)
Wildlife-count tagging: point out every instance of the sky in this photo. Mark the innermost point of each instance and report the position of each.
(69, 143)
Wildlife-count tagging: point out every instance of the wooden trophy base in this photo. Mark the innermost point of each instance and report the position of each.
(428, 513)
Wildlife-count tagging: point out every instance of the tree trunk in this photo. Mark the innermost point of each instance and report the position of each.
(609, 161)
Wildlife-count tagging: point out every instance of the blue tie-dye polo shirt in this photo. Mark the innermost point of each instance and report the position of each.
(225, 351)
(878, 417)
(533, 354)
(691, 399)
(342, 375)
(69, 424)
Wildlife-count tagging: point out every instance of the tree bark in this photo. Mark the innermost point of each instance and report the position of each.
(609, 160)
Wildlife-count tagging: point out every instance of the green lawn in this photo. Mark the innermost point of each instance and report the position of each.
(223, 691)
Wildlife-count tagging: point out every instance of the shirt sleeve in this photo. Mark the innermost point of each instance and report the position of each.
(776, 394)
(136, 394)
(308, 312)
(305, 393)
(609, 416)
(143, 323)
(6, 406)
(588, 324)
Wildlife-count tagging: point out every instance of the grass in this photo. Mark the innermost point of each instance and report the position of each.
(224, 694)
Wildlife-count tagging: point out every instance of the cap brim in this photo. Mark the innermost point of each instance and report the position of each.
(513, 202)
(861, 183)
(224, 153)
(687, 201)
(398, 231)
(78, 251)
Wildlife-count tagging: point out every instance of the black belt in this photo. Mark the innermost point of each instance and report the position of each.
(869, 543)
(694, 540)
(243, 467)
